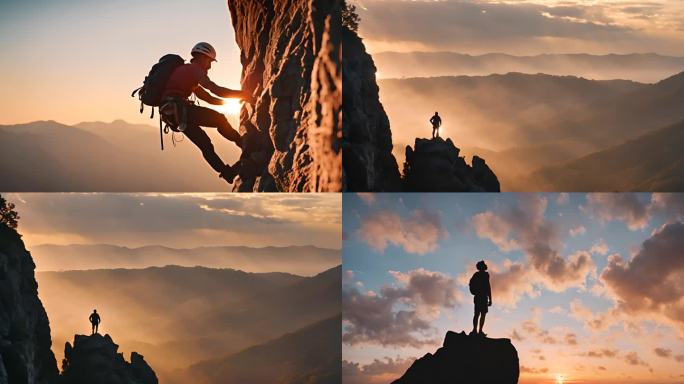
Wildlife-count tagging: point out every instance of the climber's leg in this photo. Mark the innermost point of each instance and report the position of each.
(475, 322)
(203, 142)
(206, 117)
(482, 320)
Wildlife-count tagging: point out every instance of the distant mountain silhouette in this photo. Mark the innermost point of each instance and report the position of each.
(434, 165)
(647, 67)
(46, 156)
(300, 260)
(309, 355)
(95, 359)
(651, 162)
(468, 360)
(177, 316)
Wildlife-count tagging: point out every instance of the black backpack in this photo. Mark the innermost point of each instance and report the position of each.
(475, 284)
(155, 83)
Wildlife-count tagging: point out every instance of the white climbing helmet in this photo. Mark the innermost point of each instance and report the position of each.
(205, 49)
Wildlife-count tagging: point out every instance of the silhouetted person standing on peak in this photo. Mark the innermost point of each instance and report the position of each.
(94, 320)
(480, 288)
(436, 123)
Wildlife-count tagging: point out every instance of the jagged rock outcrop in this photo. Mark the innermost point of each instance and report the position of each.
(25, 355)
(434, 165)
(368, 163)
(291, 53)
(468, 360)
(95, 359)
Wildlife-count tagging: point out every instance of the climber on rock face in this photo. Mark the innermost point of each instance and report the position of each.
(94, 320)
(436, 123)
(178, 111)
(480, 288)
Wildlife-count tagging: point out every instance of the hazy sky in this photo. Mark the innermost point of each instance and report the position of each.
(586, 286)
(524, 27)
(79, 60)
(181, 221)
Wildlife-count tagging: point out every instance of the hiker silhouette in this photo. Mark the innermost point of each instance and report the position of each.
(170, 84)
(482, 291)
(436, 122)
(94, 320)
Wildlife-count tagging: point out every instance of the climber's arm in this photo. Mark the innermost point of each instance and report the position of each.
(204, 95)
(218, 90)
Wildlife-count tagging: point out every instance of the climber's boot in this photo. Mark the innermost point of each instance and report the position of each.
(229, 173)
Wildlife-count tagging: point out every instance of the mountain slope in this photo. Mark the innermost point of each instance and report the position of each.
(521, 123)
(300, 260)
(309, 355)
(651, 162)
(647, 67)
(116, 157)
(176, 316)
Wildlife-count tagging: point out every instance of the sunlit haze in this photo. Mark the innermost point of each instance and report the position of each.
(180, 220)
(77, 60)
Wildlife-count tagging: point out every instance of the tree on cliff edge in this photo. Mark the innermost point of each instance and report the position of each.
(350, 18)
(8, 215)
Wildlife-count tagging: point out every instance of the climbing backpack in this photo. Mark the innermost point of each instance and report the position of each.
(474, 284)
(154, 84)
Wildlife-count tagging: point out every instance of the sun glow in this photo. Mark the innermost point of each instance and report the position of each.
(560, 379)
(229, 107)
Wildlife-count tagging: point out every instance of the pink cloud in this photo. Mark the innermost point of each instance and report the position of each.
(418, 233)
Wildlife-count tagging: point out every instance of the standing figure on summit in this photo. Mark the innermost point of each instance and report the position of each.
(480, 288)
(94, 320)
(436, 123)
(177, 110)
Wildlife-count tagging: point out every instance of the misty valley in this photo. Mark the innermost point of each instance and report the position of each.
(205, 324)
(542, 132)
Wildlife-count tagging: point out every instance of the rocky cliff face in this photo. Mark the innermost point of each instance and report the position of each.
(434, 165)
(291, 53)
(431, 165)
(25, 355)
(466, 359)
(368, 161)
(95, 359)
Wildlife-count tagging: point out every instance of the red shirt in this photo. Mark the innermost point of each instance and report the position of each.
(185, 79)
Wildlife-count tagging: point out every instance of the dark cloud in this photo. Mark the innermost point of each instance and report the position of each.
(663, 352)
(372, 319)
(376, 371)
(448, 24)
(632, 358)
(625, 207)
(650, 282)
(570, 339)
(525, 227)
(401, 314)
(602, 353)
(533, 370)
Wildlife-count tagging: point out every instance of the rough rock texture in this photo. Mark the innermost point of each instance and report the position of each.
(95, 359)
(291, 53)
(434, 165)
(369, 164)
(25, 355)
(468, 360)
